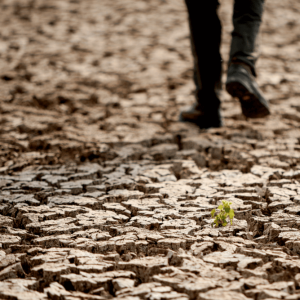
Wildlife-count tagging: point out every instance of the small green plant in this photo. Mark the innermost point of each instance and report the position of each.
(221, 217)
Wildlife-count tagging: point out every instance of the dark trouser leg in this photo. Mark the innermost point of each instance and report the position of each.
(240, 84)
(205, 28)
(247, 18)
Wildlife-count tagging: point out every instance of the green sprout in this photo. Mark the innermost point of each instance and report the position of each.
(221, 218)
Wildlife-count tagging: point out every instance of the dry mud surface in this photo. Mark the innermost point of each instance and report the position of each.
(105, 195)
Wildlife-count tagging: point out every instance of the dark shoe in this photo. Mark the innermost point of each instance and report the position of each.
(203, 120)
(241, 84)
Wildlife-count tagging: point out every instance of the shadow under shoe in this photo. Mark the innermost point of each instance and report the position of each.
(242, 85)
(209, 118)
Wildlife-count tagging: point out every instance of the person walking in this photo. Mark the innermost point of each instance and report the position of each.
(205, 29)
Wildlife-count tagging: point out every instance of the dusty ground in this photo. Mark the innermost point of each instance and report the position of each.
(104, 194)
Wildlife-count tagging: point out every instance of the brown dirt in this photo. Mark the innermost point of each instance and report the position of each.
(104, 194)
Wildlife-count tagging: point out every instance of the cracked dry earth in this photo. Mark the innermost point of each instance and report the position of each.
(105, 195)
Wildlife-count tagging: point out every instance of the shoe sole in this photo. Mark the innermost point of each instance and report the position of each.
(203, 124)
(253, 106)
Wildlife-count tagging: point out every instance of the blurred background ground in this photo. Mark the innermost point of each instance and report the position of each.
(75, 74)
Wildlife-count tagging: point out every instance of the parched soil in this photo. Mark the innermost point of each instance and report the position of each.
(104, 194)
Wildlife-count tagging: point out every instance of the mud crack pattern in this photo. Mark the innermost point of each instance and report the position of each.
(105, 195)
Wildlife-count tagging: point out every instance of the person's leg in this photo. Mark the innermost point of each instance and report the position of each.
(205, 30)
(247, 17)
(241, 82)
